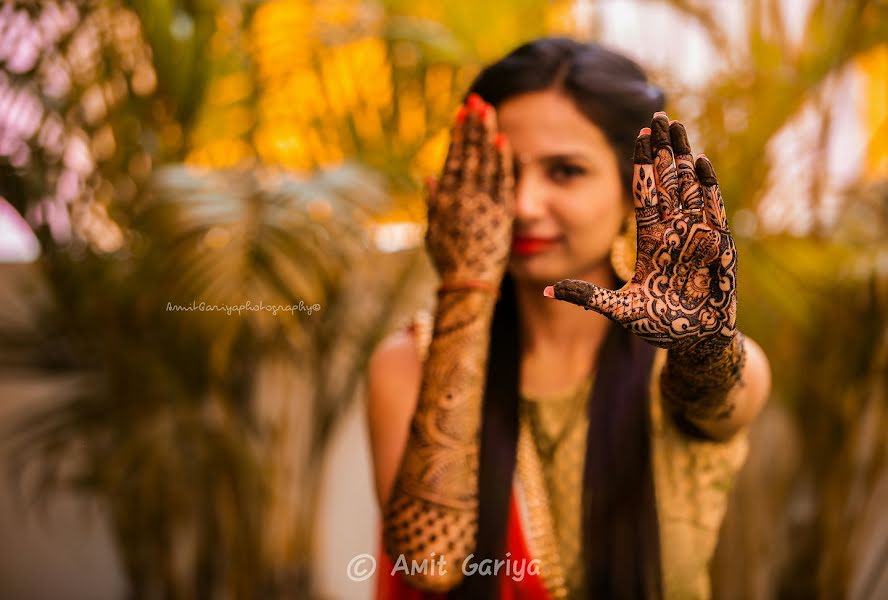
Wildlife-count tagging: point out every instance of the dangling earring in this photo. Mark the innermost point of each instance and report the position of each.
(622, 254)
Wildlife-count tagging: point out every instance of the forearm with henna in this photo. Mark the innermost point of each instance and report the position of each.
(432, 511)
(433, 508)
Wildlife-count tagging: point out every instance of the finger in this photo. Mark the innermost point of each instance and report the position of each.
(664, 166)
(473, 141)
(505, 177)
(589, 296)
(489, 160)
(644, 189)
(713, 204)
(690, 194)
(453, 164)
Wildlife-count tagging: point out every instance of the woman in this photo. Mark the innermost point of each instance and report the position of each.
(601, 445)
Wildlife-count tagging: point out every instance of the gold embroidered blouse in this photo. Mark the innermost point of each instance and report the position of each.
(552, 449)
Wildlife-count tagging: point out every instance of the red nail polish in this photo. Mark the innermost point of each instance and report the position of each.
(474, 101)
(645, 131)
(499, 141)
(461, 114)
(482, 111)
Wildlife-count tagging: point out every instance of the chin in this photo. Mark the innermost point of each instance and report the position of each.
(537, 269)
(547, 270)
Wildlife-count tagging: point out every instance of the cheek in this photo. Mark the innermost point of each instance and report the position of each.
(591, 216)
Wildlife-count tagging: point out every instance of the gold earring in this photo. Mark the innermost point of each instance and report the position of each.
(622, 253)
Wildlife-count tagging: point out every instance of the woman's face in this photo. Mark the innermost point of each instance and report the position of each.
(569, 199)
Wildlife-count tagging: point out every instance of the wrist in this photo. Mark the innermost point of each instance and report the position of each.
(696, 383)
(449, 285)
(714, 350)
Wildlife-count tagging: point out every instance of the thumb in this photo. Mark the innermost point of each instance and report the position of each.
(585, 294)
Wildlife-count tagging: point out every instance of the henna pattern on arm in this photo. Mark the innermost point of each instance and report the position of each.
(683, 296)
(695, 386)
(432, 510)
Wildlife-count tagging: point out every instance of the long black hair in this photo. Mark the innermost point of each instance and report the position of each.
(621, 546)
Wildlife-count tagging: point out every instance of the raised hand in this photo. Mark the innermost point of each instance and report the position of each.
(472, 208)
(683, 294)
(433, 507)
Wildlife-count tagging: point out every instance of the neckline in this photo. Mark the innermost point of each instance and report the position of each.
(562, 396)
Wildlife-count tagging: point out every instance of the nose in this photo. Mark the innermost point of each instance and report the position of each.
(529, 197)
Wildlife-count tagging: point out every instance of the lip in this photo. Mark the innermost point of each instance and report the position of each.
(526, 245)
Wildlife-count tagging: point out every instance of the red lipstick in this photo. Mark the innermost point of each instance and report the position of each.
(526, 245)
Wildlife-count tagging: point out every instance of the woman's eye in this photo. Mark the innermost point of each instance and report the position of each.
(565, 172)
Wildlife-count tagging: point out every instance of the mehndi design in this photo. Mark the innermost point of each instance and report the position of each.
(683, 296)
(432, 511)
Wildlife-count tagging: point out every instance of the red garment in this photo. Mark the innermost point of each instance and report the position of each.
(391, 586)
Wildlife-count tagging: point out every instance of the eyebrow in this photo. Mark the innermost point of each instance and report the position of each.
(549, 158)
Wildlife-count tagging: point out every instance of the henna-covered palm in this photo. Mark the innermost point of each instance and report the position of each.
(683, 293)
(472, 208)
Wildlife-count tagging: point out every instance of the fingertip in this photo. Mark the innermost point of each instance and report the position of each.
(643, 153)
(549, 291)
(574, 291)
(645, 131)
(705, 171)
(660, 130)
(499, 141)
(679, 138)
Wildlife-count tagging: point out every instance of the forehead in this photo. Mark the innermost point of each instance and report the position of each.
(547, 123)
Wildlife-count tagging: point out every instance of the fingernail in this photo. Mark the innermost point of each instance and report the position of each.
(461, 115)
(482, 111)
(659, 113)
(645, 131)
(499, 141)
(474, 100)
(549, 292)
